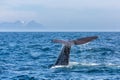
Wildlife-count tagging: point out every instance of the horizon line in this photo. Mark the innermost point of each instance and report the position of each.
(63, 31)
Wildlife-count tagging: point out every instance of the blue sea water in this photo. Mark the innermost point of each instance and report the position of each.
(29, 56)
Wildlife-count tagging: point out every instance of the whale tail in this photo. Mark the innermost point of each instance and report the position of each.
(77, 41)
(63, 58)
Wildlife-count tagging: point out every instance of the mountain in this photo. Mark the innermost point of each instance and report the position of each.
(33, 24)
(20, 24)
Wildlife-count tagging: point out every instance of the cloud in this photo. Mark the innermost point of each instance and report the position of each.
(7, 15)
(64, 4)
(79, 4)
(63, 12)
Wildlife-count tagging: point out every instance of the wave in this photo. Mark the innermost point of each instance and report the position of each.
(24, 77)
(73, 64)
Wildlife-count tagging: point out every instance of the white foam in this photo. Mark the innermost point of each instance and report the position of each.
(66, 66)
(110, 64)
(71, 64)
(113, 65)
(58, 66)
(89, 64)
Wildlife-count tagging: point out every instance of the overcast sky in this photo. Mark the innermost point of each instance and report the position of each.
(64, 15)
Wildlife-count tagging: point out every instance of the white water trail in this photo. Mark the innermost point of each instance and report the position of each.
(71, 64)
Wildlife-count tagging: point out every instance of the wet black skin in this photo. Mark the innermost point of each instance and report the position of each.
(63, 58)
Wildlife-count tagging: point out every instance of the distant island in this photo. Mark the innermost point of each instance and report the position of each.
(20, 25)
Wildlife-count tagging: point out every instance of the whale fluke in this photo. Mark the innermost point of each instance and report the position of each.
(84, 40)
(60, 41)
(63, 58)
(77, 41)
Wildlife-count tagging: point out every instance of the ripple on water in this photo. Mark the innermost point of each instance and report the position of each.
(24, 77)
(29, 56)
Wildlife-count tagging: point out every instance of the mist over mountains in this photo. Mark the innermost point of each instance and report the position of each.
(20, 25)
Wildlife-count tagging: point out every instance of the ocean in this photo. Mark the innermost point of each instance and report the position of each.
(30, 56)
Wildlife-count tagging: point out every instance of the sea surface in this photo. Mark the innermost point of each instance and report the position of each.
(30, 56)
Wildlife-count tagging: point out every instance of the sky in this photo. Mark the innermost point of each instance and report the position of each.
(63, 15)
